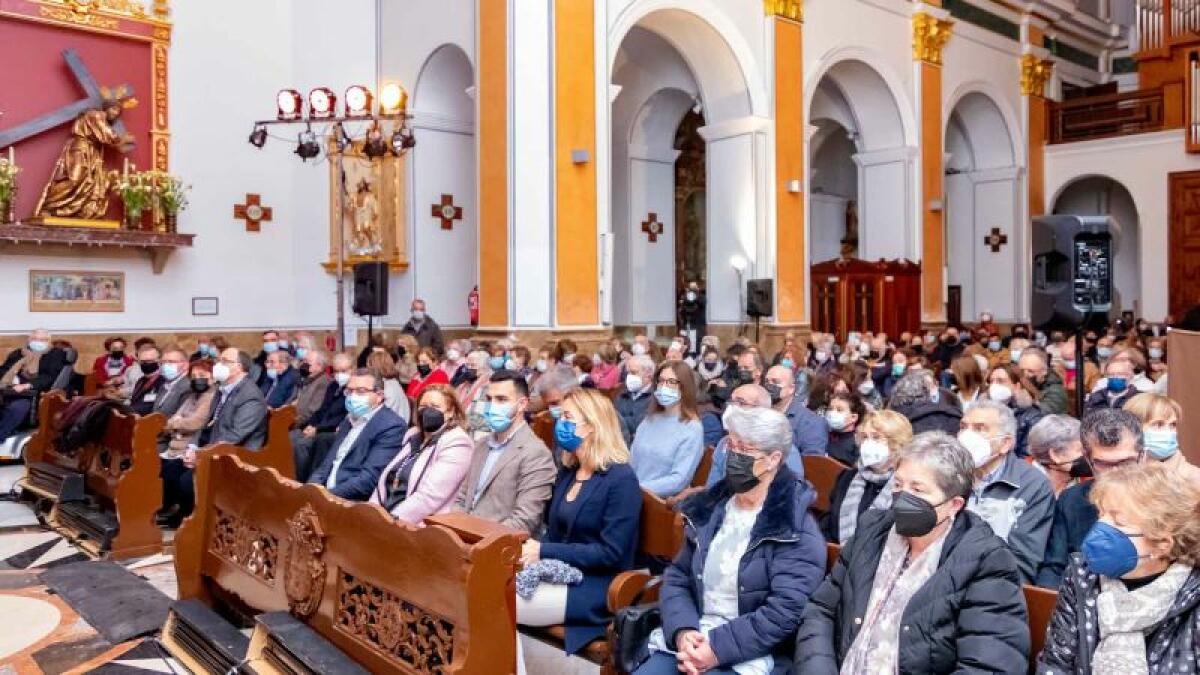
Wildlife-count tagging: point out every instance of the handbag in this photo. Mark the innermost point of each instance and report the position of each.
(631, 628)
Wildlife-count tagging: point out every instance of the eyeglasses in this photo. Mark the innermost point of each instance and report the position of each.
(1103, 465)
(360, 390)
(670, 382)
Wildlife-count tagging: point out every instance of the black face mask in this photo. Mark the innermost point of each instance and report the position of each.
(424, 370)
(739, 473)
(431, 418)
(918, 349)
(1020, 334)
(914, 516)
(149, 367)
(745, 376)
(117, 354)
(469, 375)
(305, 369)
(401, 352)
(776, 393)
(199, 386)
(1080, 468)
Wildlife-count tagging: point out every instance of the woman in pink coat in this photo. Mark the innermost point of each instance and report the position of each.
(425, 477)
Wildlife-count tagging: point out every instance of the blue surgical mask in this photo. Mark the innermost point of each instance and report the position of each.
(897, 370)
(358, 404)
(787, 363)
(499, 416)
(1156, 353)
(1161, 443)
(1109, 551)
(170, 371)
(203, 348)
(284, 344)
(301, 352)
(666, 396)
(994, 345)
(556, 411)
(1117, 385)
(1014, 355)
(564, 434)
(270, 347)
(272, 373)
(496, 363)
(1104, 352)
(38, 346)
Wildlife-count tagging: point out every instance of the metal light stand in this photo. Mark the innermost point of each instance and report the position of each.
(1080, 365)
(402, 118)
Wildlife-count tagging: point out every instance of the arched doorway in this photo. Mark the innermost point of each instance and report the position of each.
(443, 163)
(1103, 196)
(684, 168)
(860, 177)
(982, 210)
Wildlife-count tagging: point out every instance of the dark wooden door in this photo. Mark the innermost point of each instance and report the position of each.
(1184, 249)
(954, 305)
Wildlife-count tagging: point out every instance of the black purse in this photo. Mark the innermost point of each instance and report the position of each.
(630, 633)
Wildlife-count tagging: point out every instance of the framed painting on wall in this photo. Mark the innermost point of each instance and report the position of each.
(76, 291)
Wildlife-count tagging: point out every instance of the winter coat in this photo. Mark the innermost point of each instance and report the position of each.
(969, 616)
(1172, 645)
(1027, 416)
(944, 415)
(1052, 395)
(782, 566)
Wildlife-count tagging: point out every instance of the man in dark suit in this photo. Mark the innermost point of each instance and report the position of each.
(173, 386)
(145, 391)
(310, 443)
(368, 439)
(279, 385)
(27, 372)
(239, 414)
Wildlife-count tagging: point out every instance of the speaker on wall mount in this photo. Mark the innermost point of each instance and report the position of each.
(1072, 272)
(371, 288)
(760, 298)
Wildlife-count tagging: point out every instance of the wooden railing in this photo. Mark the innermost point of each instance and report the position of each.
(1095, 117)
(1158, 21)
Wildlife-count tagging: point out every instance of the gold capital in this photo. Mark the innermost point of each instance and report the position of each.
(787, 9)
(1034, 74)
(930, 35)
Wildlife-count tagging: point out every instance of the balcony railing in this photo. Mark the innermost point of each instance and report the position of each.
(1160, 21)
(1094, 117)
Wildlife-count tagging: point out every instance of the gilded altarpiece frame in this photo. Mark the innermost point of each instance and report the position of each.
(387, 177)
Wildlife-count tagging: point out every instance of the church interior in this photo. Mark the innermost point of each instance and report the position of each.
(332, 330)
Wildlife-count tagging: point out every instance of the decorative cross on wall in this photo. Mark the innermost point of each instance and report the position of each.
(652, 227)
(253, 212)
(995, 239)
(447, 212)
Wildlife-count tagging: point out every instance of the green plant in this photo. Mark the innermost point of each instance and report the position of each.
(8, 179)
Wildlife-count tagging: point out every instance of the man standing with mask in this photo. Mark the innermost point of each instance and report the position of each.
(1011, 496)
(512, 472)
(810, 432)
(422, 327)
(367, 440)
(693, 317)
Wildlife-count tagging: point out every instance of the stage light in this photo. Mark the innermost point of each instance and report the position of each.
(341, 138)
(374, 146)
(358, 101)
(392, 99)
(322, 103)
(307, 146)
(289, 104)
(402, 140)
(258, 137)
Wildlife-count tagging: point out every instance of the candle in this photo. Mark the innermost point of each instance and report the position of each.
(126, 170)
(12, 156)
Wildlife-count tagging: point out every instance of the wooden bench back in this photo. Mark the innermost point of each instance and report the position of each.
(700, 478)
(661, 528)
(276, 453)
(41, 444)
(394, 598)
(1040, 603)
(543, 427)
(822, 472)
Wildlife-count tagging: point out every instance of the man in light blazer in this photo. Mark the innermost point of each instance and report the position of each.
(239, 411)
(512, 472)
(366, 442)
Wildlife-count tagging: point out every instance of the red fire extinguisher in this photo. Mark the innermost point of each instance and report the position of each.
(473, 305)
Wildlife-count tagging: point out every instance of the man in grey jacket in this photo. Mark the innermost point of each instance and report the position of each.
(512, 472)
(1014, 498)
(239, 412)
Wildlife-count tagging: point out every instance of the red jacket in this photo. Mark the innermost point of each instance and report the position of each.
(100, 367)
(416, 386)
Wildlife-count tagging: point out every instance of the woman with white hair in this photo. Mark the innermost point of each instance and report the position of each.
(923, 587)
(1057, 451)
(751, 557)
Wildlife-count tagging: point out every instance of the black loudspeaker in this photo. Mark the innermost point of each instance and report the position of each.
(371, 289)
(760, 298)
(1072, 272)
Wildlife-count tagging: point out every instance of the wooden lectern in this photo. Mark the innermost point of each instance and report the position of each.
(855, 295)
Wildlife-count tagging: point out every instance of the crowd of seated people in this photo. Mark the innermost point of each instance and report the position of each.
(965, 477)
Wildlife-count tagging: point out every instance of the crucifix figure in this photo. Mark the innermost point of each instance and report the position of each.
(995, 239)
(652, 227)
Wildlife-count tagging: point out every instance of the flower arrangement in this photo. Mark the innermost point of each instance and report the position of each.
(8, 186)
(136, 190)
(172, 192)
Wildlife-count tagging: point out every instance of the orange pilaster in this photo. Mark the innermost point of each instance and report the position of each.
(577, 271)
(790, 271)
(492, 94)
(933, 247)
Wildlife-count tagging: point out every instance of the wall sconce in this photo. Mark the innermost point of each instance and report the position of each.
(935, 205)
(580, 156)
(794, 186)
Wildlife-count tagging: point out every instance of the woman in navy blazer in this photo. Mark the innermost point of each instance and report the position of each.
(592, 523)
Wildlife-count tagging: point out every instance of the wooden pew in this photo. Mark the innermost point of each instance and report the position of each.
(276, 453)
(543, 427)
(1040, 603)
(660, 536)
(381, 596)
(700, 478)
(822, 472)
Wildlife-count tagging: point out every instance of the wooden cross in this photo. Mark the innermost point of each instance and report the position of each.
(447, 212)
(253, 212)
(67, 113)
(995, 239)
(652, 227)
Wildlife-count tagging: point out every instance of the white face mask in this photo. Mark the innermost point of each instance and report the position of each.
(341, 378)
(822, 357)
(634, 382)
(510, 365)
(453, 354)
(976, 444)
(837, 419)
(866, 387)
(639, 349)
(1000, 393)
(221, 372)
(542, 366)
(873, 452)
(418, 315)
